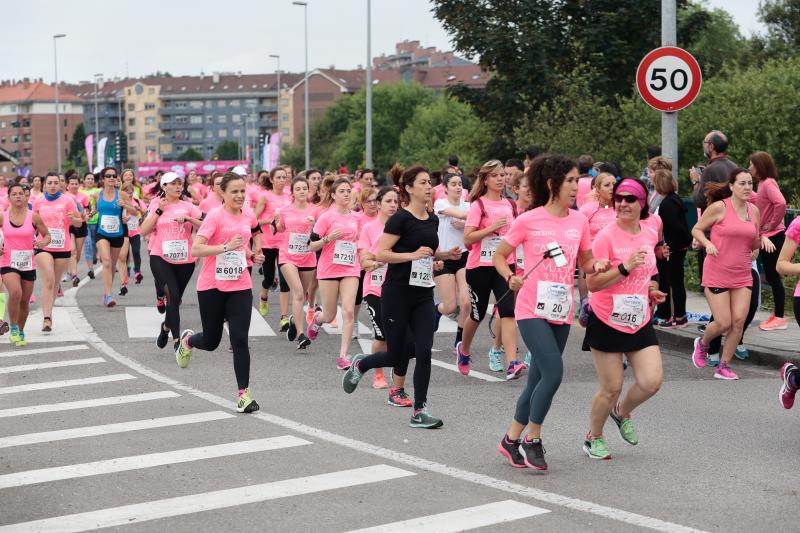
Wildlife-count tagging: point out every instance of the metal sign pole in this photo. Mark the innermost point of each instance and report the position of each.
(669, 121)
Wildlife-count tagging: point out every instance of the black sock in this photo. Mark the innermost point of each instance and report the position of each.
(459, 332)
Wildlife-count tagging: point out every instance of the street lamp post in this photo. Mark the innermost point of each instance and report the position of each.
(58, 115)
(369, 85)
(277, 57)
(96, 126)
(305, 85)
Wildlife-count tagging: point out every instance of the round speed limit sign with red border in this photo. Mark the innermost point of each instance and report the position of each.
(669, 78)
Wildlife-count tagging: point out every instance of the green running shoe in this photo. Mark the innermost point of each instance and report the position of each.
(595, 448)
(353, 375)
(246, 403)
(21, 339)
(184, 352)
(626, 429)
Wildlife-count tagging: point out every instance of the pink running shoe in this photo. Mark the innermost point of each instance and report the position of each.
(788, 390)
(343, 363)
(313, 328)
(463, 360)
(725, 372)
(700, 355)
(514, 370)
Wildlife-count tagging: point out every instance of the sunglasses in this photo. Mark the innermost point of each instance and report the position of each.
(627, 198)
(109, 175)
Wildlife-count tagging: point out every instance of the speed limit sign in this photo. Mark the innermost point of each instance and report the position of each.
(669, 78)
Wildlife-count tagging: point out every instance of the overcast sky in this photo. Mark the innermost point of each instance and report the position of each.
(185, 37)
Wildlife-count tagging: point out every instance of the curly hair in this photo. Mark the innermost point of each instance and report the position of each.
(546, 175)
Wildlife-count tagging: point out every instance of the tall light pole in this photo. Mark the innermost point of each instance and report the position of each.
(58, 115)
(97, 78)
(305, 85)
(369, 84)
(277, 58)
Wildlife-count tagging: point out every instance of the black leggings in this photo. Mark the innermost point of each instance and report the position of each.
(715, 346)
(270, 259)
(215, 307)
(135, 248)
(670, 276)
(174, 278)
(770, 260)
(482, 282)
(406, 311)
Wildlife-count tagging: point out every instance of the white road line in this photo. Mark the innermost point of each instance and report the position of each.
(84, 404)
(137, 462)
(65, 383)
(109, 429)
(472, 373)
(52, 364)
(516, 489)
(221, 499)
(64, 329)
(142, 322)
(462, 520)
(37, 351)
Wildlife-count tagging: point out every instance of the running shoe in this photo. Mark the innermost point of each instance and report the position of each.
(60, 293)
(3, 327)
(14, 336)
(291, 330)
(700, 355)
(123, 289)
(773, 323)
(303, 342)
(399, 398)
(528, 357)
(713, 359)
(47, 324)
(246, 403)
(161, 304)
(334, 323)
(90, 273)
(725, 372)
(342, 363)
(625, 427)
(163, 336)
(21, 339)
(184, 352)
(673, 322)
(741, 352)
(32, 299)
(463, 360)
(109, 301)
(263, 307)
(532, 453)
(313, 327)
(583, 317)
(379, 380)
(353, 375)
(283, 324)
(514, 370)
(596, 448)
(75, 280)
(788, 389)
(310, 315)
(421, 419)
(437, 316)
(496, 359)
(510, 450)
(661, 322)
(137, 278)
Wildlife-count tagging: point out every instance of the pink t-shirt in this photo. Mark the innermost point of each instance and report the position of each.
(252, 192)
(772, 206)
(547, 293)
(654, 225)
(584, 192)
(733, 237)
(598, 217)
(295, 235)
(134, 222)
(227, 272)
(274, 203)
(339, 258)
(18, 243)
(55, 215)
(793, 232)
(625, 305)
(481, 253)
(169, 240)
(368, 240)
(212, 200)
(81, 201)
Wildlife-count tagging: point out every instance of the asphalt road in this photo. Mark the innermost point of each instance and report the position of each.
(123, 437)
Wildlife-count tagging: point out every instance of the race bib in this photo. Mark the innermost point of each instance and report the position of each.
(344, 253)
(298, 243)
(629, 310)
(422, 272)
(133, 223)
(230, 266)
(520, 259)
(376, 276)
(22, 259)
(553, 301)
(109, 224)
(175, 250)
(57, 239)
(488, 248)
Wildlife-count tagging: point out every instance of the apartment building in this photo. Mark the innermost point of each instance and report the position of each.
(107, 99)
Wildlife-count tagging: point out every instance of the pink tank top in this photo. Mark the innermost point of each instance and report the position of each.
(733, 237)
(18, 247)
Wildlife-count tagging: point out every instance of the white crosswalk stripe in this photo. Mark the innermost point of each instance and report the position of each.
(65, 383)
(52, 364)
(144, 322)
(64, 329)
(39, 351)
(85, 404)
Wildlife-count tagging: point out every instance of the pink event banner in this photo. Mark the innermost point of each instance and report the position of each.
(144, 170)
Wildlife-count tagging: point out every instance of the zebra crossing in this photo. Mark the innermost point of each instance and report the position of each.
(71, 420)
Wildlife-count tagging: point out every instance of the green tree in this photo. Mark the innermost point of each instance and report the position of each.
(228, 150)
(77, 151)
(782, 18)
(712, 37)
(191, 155)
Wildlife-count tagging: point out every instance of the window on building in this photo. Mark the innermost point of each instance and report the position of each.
(222, 134)
(149, 121)
(196, 119)
(236, 103)
(132, 136)
(181, 104)
(27, 152)
(252, 132)
(209, 103)
(210, 148)
(236, 133)
(149, 106)
(196, 104)
(129, 92)
(209, 134)
(220, 103)
(150, 148)
(284, 117)
(65, 123)
(285, 131)
(26, 123)
(15, 139)
(222, 119)
(150, 135)
(132, 150)
(251, 102)
(284, 101)
(3, 124)
(195, 134)
(236, 119)
(26, 138)
(182, 119)
(2, 140)
(151, 90)
(131, 107)
(132, 121)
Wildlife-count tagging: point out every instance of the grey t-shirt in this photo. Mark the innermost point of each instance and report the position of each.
(718, 171)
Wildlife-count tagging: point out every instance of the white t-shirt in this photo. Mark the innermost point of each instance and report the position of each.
(450, 236)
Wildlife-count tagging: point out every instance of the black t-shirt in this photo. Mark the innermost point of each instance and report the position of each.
(413, 233)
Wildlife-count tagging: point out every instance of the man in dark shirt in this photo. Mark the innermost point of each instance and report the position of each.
(719, 168)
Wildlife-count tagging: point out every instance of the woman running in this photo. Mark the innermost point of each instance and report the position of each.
(131, 246)
(790, 374)
(58, 212)
(451, 280)
(488, 220)
(36, 189)
(295, 259)
(90, 189)
(224, 287)
(274, 197)
(17, 260)
(734, 224)
(620, 321)
(169, 224)
(214, 198)
(544, 303)
(338, 268)
(321, 199)
(80, 233)
(409, 246)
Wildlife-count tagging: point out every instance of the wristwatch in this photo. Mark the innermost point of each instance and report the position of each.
(622, 270)
(159, 211)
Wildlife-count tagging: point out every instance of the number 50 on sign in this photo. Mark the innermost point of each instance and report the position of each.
(669, 78)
